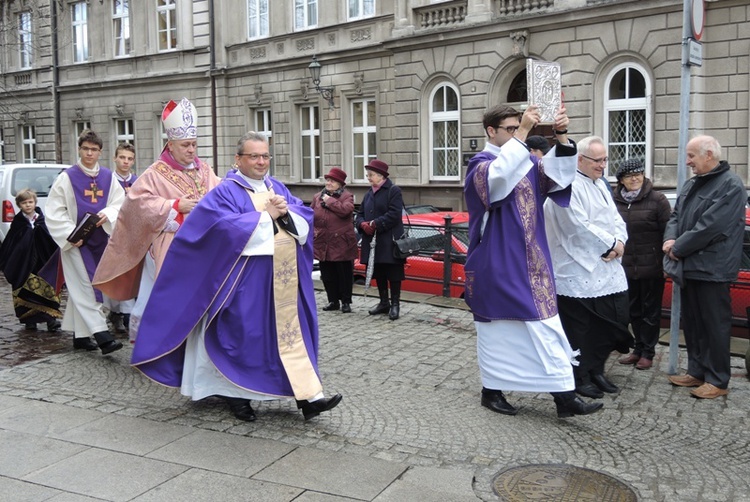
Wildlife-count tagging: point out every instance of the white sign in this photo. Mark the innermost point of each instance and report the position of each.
(696, 53)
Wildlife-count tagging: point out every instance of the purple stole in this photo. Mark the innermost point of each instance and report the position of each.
(92, 195)
(508, 267)
(126, 184)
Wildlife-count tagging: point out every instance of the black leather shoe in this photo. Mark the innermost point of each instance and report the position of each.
(53, 326)
(241, 408)
(346, 308)
(106, 343)
(84, 343)
(29, 326)
(495, 401)
(311, 409)
(380, 308)
(589, 390)
(332, 306)
(604, 384)
(576, 406)
(393, 314)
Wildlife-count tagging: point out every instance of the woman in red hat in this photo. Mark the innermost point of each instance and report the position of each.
(380, 213)
(334, 240)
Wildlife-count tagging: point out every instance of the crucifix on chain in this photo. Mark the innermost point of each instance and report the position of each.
(94, 192)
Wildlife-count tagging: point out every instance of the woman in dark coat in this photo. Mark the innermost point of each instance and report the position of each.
(380, 215)
(25, 250)
(334, 241)
(646, 213)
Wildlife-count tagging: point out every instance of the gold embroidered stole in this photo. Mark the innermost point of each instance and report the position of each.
(292, 351)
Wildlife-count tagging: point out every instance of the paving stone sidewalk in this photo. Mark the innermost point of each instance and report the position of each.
(410, 428)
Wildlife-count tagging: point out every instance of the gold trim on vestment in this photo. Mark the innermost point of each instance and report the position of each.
(292, 350)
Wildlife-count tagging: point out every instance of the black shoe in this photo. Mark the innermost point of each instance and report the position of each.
(393, 314)
(126, 321)
(116, 320)
(29, 326)
(311, 409)
(604, 384)
(106, 343)
(346, 308)
(575, 406)
(380, 308)
(332, 306)
(589, 390)
(240, 408)
(495, 401)
(53, 326)
(84, 343)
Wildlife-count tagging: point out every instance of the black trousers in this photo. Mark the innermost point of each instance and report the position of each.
(596, 327)
(645, 314)
(337, 277)
(389, 274)
(707, 324)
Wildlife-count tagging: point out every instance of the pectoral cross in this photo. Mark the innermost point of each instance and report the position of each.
(94, 192)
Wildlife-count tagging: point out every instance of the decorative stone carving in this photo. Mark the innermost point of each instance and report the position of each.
(305, 44)
(280, 48)
(358, 79)
(331, 39)
(79, 114)
(258, 52)
(304, 86)
(258, 91)
(23, 118)
(120, 110)
(520, 43)
(360, 35)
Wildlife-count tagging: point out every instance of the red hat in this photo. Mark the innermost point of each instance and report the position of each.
(336, 174)
(378, 166)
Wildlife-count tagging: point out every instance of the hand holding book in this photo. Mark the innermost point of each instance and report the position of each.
(87, 225)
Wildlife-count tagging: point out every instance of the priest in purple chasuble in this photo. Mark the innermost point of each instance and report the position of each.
(84, 187)
(510, 288)
(245, 326)
(155, 207)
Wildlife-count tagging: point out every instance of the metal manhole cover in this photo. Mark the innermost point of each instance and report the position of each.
(559, 482)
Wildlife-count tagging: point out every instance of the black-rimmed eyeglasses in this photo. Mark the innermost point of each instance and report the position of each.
(601, 160)
(508, 129)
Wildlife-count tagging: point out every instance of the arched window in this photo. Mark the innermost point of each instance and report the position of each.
(627, 113)
(445, 124)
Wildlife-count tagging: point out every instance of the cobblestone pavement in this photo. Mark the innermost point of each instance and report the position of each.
(411, 395)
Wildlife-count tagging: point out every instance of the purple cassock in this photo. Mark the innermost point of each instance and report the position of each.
(508, 267)
(204, 273)
(92, 195)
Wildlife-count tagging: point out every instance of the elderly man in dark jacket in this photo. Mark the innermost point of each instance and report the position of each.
(705, 233)
(645, 212)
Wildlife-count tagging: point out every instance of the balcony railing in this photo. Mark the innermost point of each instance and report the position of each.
(441, 15)
(23, 79)
(518, 7)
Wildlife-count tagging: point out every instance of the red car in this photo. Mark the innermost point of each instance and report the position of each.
(424, 272)
(739, 291)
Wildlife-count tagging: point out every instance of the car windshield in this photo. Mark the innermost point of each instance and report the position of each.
(39, 179)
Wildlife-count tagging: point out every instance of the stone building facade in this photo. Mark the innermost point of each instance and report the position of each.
(409, 80)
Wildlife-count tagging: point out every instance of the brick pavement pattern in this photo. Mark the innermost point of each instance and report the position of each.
(411, 401)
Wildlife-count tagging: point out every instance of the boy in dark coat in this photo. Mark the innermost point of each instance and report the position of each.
(27, 247)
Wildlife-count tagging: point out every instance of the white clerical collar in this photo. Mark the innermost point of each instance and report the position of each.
(121, 178)
(93, 172)
(257, 185)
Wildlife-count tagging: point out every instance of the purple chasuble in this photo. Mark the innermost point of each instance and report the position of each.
(508, 267)
(92, 195)
(204, 273)
(126, 184)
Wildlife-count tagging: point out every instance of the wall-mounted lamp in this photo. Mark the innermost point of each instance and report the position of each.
(473, 144)
(326, 92)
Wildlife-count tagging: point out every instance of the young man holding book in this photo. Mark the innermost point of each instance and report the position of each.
(85, 187)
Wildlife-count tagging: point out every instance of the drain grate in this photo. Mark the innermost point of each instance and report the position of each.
(561, 483)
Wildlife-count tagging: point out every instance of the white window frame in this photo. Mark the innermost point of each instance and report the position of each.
(79, 127)
(2, 146)
(444, 116)
(310, 138)
(121, 28)
(304, 10)
(263, 125)
(25, 40)
(128, 134)
(80, 31)
(169, 12)
(628, 105)
(257, 19)
(357, 9)
(28, 143)
(365, 130)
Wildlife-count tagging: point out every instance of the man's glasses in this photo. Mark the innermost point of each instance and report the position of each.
(602, 160)
(255, 156)
(508, 129)
(90, 150)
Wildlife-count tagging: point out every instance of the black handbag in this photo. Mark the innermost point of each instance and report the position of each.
(405, 246)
